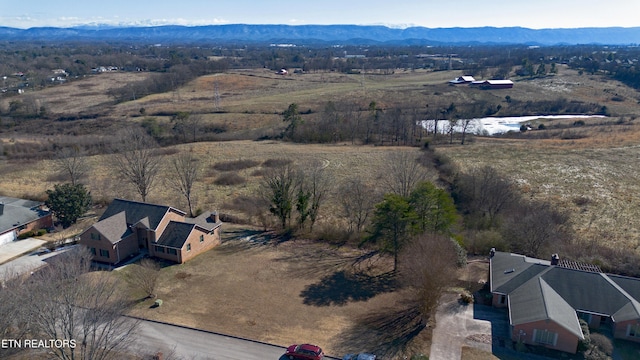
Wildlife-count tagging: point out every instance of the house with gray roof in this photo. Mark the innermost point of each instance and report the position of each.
(18, 216)
(546, 300)
(127, 228)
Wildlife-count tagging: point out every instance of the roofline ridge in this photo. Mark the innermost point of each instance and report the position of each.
(546, 309)
(634, 302)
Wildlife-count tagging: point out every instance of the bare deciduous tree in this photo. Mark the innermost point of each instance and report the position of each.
(70, 162)
(428, 268)
(530, 227)
(186, 169)
(313, 186)
(68, 302)
(486, 193)
(144, 276)
(358, 200)
(402, 172)
(135, 159)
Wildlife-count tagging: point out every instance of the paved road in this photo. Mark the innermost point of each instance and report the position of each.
(201, 345)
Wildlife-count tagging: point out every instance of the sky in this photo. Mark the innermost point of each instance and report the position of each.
(536, 14)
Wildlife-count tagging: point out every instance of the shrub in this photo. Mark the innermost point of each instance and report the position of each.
(466, 298)
(230, 179)
(235, 165)
(274, 163)
(584, 344)
(41, 232)
(420, 357)
(25, 235)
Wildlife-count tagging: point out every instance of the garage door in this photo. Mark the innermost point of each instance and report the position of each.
(8, 237)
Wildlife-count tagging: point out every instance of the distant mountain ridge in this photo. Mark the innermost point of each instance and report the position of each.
(331, 34)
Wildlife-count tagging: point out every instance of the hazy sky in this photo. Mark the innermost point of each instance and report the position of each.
(534, 14)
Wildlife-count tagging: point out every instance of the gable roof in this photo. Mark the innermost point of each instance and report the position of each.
(18, 212)
(507, 267)
(204, 220)
(537, 301)
(175, 234)
(538, 290)
(114, 228)
(137, 212)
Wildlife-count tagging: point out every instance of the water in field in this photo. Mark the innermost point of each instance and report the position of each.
(497, 125)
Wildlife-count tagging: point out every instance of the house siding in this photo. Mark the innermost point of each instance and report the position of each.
(123, 248)
(620, 330)
(210, 241)
(171, 215)
(565, 341)
(497, 302)
(44, 222)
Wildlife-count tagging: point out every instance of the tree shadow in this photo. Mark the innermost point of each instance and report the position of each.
(234, 241)
(388, 332)
(342, 287)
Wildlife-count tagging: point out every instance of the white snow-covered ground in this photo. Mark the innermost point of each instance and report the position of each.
(498, 125)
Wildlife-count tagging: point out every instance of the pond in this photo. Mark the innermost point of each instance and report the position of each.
(498, 125)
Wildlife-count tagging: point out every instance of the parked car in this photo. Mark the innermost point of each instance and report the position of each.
(304, 352)
(361, 356)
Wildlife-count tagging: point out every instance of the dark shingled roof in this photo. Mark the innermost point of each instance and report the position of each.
(114, 228)
(18, 212)
(587, 291)
(506, 267)
(538, 290)
(536, 300)
(175, 234)
(137, 211)
(204, 221)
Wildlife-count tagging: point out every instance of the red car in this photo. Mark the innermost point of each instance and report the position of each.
(304, 352)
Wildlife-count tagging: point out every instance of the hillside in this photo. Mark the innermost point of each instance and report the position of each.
(588, 170)
(329, 34)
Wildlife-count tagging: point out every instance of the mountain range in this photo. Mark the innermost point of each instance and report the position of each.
(329, 34)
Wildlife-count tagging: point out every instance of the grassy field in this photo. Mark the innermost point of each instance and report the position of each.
(288, 292)
(588, 171)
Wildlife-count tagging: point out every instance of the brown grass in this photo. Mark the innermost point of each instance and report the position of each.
(471, 353)
(276, 293)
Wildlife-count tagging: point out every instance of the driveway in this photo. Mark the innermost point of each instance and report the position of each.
(459, 325)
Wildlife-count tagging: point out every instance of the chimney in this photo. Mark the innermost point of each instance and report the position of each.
(492, 252)
(1, 208)
(555, 259)
(214, 216)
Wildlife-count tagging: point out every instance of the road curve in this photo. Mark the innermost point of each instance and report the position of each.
(188, 343)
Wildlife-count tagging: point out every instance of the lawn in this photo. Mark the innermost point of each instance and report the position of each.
(289, 292)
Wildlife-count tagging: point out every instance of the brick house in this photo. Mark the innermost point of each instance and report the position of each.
(127, 228)
(546, 299)
(18, 216)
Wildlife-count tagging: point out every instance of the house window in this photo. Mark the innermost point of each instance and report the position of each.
(544, 337)
(634, 330)
(104, 253)
(188, 247)
(93, 251)
(159, 249)
(201, 238)
(172, 251)
(95, 236)
(503, 299)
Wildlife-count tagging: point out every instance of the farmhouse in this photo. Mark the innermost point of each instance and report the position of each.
(492, 84)
(546, 299)
(128, 228)
(18, 216)
(466, 79)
